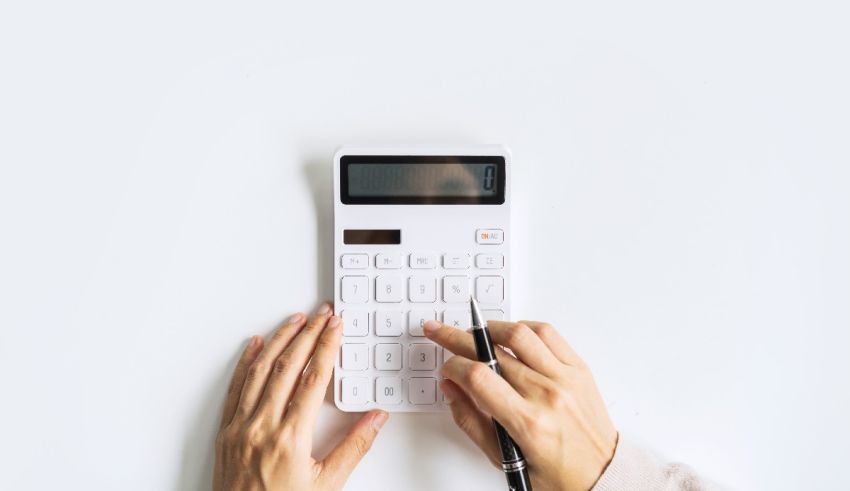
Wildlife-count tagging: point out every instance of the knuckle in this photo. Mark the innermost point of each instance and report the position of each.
(517, 334)
(283, 363)
(448, 336)
(255, 371)
(228, 438)
(361, 445)
(554, 396)
(476, 375)
(464, 422)
(315, 322)
(312, 378)
(281, 332)
(221, 439)
(286, 438)
(545, 330)
(326, 343)
(529, 420)
(245, 411)
(252, 438)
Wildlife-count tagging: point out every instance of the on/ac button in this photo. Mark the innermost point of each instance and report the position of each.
(489, 236)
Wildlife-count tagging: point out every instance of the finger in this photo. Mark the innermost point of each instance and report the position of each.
(559, 346)
(477, 426)
(235, 389)
(258, 372)
(526, 345)
(461, 343)
(304, 408)
(491, 392)
(338, 465)
(289, 366)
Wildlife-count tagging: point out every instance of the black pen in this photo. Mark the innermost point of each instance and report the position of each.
(513, 462)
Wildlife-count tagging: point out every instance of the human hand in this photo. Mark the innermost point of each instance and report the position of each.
(266, 436)
(547, 401)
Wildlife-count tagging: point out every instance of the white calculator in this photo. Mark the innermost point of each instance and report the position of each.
(416, 232)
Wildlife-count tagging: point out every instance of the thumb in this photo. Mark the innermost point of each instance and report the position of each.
(342, 460)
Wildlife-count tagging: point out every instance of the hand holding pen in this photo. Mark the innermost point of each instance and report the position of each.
(545, 399)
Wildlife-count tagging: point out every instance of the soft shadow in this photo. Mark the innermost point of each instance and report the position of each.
(319, 177)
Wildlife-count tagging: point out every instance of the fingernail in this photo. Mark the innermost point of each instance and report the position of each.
(324, 309)
(295, 318)
(378, 420)
(430, 327)
(449, 393)
(334, 323)
(254, 343)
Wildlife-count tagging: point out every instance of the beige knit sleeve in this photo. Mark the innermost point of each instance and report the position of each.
(636, 469)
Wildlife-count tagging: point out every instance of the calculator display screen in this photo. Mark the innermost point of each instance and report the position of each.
(422, 179)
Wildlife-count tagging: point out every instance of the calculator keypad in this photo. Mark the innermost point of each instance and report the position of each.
(387, 297)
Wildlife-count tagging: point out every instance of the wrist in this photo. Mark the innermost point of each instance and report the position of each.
(607, 457)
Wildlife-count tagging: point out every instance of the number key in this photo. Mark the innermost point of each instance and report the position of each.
(355, 357)
(423, 357)
(389, 323)
(422, 289)
(388, 356)
(388, 289)
(355, 390)
(416, 321)
(355, 323)
(388, 390)
(355, 289)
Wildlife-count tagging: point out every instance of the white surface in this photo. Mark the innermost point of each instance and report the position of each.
(681, 212)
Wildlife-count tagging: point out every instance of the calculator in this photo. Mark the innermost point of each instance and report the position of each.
(417, 231)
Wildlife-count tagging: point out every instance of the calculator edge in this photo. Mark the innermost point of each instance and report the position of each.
(409, 150)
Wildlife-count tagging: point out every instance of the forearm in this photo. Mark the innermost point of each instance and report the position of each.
(636, 469)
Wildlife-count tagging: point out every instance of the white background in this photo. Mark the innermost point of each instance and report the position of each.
(681, 202)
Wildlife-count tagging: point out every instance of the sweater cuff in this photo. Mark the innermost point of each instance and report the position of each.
(631, 468)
